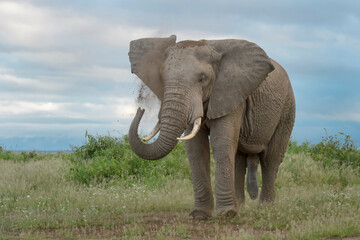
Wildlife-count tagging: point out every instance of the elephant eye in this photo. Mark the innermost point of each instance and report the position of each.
(202, 78)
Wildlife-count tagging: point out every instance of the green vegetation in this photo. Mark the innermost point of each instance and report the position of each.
(105, 158)
(103, 191)
(333, 151)
(21, 156)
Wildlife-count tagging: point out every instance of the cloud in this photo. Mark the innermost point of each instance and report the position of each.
(112, 108)
(28, 84)
(40, 27)
(20, 24)
(341, 116)
(57, 59)
(20, 107)
(117, 75)
(113, 35)
(64, 64)
(350, 112)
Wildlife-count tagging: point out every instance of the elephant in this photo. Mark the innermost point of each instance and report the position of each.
(227, 94)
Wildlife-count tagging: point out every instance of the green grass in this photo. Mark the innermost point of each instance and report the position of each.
(103, 191)
(22, 156)
(106, 158)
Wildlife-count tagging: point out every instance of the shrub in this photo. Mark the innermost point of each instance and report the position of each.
(333, 150)
(339, 148)
(103, 158)
(295, 148)
(19, 157)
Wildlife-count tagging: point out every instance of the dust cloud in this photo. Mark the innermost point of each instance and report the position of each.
(146, 99)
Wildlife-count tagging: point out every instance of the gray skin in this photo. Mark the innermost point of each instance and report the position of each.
(247, 107)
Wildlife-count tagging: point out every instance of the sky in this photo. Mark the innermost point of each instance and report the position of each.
(64, 67)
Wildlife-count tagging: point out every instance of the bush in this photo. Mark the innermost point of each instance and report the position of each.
(104, 158)
(19, 157)
(333, 151)
(295, 148)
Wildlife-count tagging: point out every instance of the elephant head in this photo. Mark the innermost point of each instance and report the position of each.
(193, 79)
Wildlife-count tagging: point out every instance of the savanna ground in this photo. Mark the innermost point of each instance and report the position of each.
(101, 190)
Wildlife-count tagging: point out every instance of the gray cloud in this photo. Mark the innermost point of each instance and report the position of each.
(64, 67)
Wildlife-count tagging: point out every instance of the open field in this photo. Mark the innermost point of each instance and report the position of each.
(41, 198)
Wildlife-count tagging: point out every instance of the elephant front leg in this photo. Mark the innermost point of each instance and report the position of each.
(226, 202)
(224, 141)
(198, 152)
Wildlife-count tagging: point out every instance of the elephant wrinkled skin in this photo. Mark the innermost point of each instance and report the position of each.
(244, 101)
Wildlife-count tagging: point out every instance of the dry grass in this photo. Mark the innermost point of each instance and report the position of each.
(38, 201)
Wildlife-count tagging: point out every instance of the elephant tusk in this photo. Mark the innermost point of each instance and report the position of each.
(153, 133)
(195, 130)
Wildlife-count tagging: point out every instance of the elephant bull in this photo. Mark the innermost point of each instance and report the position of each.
(229, 90)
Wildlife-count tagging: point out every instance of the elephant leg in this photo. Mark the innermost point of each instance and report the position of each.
(198, 152)
(240, 170)
(224, 135)
(270, 161)
(251, 179)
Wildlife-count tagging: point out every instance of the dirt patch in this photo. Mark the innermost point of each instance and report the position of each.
(346, 238)
(164, 225)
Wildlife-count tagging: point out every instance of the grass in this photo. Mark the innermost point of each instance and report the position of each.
(123, 197)
(105, 158)
(333, 150)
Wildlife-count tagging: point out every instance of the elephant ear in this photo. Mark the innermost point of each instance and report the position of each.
(146, 57)
(241, 69)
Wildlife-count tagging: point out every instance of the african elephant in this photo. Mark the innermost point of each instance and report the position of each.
(229, 90)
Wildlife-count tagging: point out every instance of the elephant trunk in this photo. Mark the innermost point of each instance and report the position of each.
(173, 119)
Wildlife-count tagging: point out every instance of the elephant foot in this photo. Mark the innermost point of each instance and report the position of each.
(265, 201)
(267, 197)
(240, 201)
(229, 213)
(198, 214)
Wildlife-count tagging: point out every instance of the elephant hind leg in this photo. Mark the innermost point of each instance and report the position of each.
(270, 161)
(240, 170)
